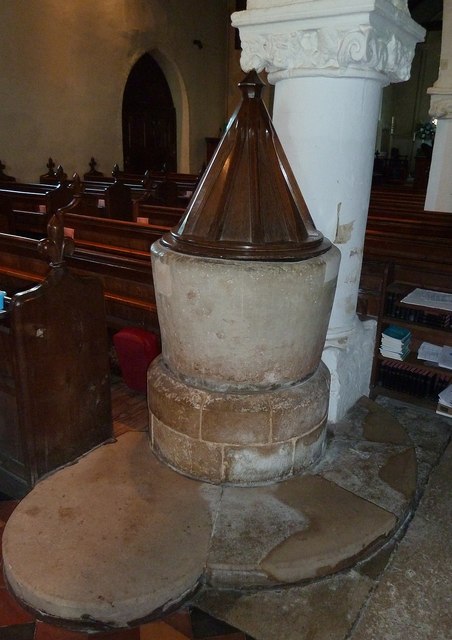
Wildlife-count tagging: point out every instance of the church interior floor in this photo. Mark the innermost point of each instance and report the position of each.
(400, 593)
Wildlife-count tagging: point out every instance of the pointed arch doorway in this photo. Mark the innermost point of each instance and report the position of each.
(148, 120)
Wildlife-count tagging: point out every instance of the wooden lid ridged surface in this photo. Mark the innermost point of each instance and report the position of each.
(248, 205)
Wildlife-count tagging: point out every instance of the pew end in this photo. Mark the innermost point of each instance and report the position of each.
(55, 396)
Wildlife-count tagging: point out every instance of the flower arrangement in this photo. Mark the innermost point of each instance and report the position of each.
(426, 131)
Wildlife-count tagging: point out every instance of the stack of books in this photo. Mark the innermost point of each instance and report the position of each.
(395, 342)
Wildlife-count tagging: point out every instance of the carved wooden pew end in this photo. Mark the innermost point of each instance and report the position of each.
(55, 397)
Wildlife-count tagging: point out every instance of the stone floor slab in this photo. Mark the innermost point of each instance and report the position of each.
(402, 591)
(323, 610)
(413, 599)
(364, 468)
(428, 431)
(112, 539)
(371, 422)
(324, 529)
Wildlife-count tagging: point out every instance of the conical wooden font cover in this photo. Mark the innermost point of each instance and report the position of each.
(248, 205)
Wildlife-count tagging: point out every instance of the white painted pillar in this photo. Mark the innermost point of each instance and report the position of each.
(439, 190)
(329, 60)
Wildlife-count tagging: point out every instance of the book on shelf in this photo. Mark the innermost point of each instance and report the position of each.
(429, 352)
(432, 299)
(444, 410)
(408, 378)
(395, 342)
(396, 334)
(429, 298)
(436, 355)
(444, 407)
(445, 358)
(395, 355)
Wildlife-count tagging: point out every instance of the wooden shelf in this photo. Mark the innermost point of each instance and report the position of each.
(417, 376)
(412, 361)
(425, 331)
(426, 403)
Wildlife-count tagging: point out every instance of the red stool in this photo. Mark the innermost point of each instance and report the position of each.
(136, 349)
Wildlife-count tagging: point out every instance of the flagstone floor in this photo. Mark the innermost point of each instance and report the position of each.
(401, 593)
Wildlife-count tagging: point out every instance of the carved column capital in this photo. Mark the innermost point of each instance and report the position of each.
(361, 38)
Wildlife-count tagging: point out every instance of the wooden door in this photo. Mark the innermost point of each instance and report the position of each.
(148, 120)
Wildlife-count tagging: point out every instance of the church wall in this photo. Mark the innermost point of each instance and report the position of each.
(65, 66)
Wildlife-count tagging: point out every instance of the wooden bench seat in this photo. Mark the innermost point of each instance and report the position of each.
(37, 197)
(92, 199)
(414, 245)
(160, 215)
(126, 279)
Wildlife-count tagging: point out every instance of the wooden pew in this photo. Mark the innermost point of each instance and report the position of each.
(408, 225)
(55, 401)
(113, 234)
(31, 224)
(153, 187)
(6, 215)
(3, 176)
(101, 231)
(402, 239)
(53, 176)
(131, 179)
(125, 274)
(37, 197)
(401, 212)
(95, 179)
(117, 252)
(167, 190)
(185, 182)
(157, 214)
(54, 191)
(92, 174)
(392, 198)
(94, 199)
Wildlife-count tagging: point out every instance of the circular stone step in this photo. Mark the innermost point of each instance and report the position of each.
(116, 538)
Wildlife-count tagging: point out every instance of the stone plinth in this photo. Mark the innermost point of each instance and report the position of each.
(237, 438)
(240, 395)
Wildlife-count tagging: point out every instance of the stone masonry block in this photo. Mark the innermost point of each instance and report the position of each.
(254, 465)
(191, 457)
(309, 447)
(296, 410)
(236, 419)
(175, 404)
